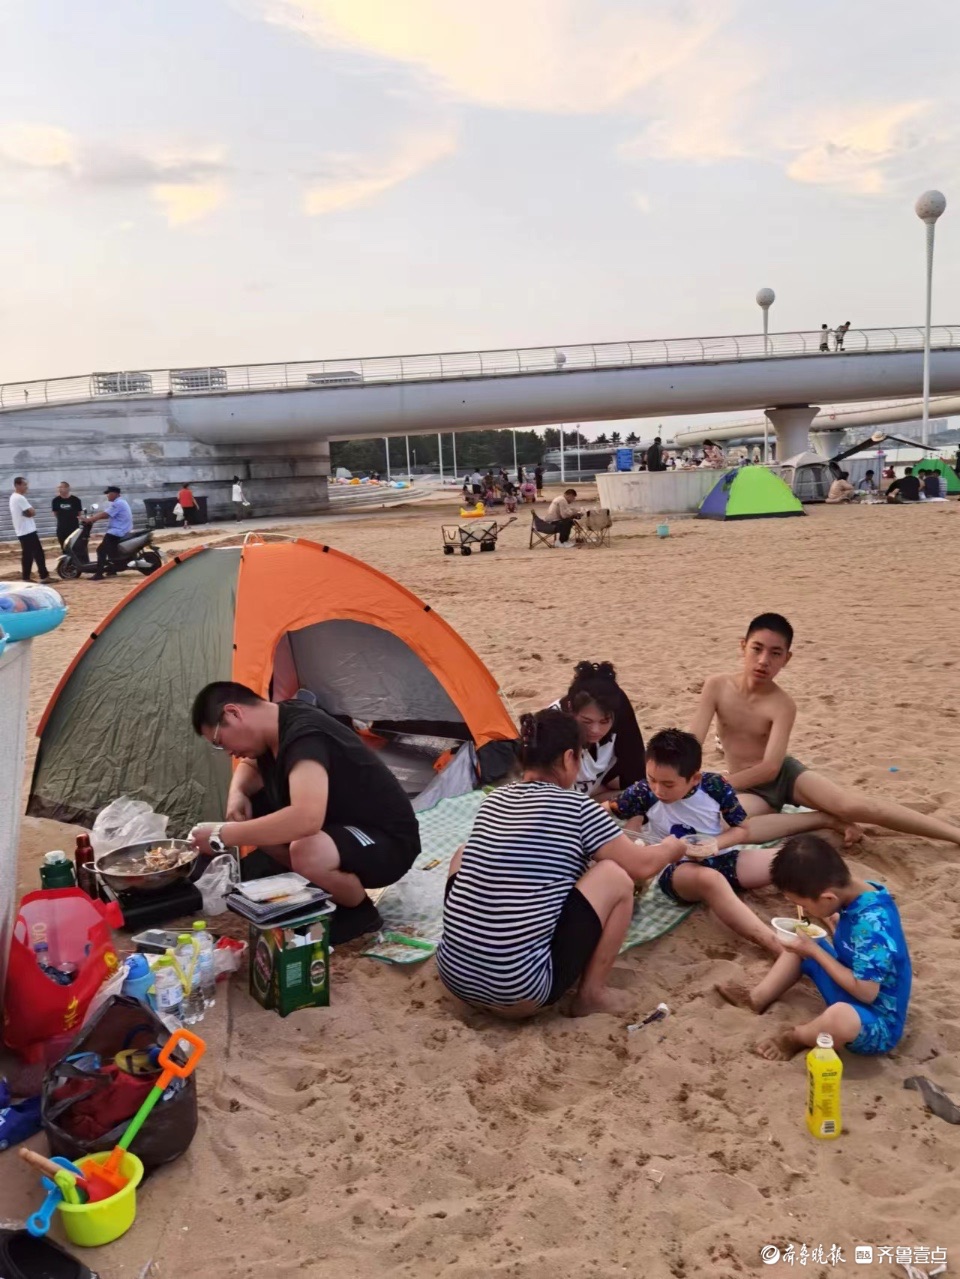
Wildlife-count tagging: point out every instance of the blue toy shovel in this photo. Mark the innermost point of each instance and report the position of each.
(63, 1187)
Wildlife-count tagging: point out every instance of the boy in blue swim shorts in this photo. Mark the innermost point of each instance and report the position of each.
(864, 974)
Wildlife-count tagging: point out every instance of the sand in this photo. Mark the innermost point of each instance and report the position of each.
(397, 1134)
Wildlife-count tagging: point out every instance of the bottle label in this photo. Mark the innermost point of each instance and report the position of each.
(168, 997)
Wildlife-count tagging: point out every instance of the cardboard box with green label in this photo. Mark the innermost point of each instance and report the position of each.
(290, 962)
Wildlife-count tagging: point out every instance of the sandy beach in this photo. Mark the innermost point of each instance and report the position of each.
(397, 1134)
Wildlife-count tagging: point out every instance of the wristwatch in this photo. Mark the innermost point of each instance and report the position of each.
(216, 843)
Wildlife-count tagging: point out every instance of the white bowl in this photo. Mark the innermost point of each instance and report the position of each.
(786, 928)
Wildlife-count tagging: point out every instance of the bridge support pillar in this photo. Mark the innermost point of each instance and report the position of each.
(792, 426)
(828, 442)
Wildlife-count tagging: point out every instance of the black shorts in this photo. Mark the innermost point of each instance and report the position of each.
(574, 940)
(374, 856)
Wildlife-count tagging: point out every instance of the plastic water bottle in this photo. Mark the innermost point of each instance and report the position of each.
(824, 1073)
(188, 957)
(205, 962)
(168, 991)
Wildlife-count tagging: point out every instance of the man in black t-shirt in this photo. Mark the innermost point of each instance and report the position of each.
(67, 508)
(906, 489)
(312, 795)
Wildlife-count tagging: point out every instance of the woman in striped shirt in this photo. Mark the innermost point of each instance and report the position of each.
(540, 897)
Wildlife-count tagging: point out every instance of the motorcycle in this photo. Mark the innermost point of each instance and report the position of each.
(136, 551)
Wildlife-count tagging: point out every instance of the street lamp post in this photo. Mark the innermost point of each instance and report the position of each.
(928, 208)
(765, 300)
(406, 439)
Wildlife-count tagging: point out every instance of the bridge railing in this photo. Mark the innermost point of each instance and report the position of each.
(318, 374)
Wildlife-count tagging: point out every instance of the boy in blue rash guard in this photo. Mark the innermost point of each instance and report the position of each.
(864, 975)
(679, 799)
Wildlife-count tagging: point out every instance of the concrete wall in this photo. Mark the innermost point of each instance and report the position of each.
(655, 492)
(138, 446)
(14, 696)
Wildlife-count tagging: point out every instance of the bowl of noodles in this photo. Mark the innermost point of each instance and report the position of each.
(146, 867)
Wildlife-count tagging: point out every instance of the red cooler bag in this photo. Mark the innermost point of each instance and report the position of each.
(39, 1014)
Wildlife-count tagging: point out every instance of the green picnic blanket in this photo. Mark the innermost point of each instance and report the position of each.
(412, 909)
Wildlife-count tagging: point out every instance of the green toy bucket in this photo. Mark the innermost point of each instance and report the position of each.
(92, 1224)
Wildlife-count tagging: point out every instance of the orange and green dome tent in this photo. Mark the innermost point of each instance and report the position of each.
(279, 616)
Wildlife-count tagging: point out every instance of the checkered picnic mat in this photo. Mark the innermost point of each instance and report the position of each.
(412, 909)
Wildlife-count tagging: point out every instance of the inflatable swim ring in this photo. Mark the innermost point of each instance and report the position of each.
(27, 610)
(477, 513)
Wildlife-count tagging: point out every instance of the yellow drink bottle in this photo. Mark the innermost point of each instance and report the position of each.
(824, 1072)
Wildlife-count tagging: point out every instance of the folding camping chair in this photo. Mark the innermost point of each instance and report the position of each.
(594, 528)
(541, 533)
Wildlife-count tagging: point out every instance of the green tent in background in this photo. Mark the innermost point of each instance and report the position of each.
(944, 468)
(750, 493)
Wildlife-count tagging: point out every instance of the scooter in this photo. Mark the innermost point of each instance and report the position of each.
(136, 552)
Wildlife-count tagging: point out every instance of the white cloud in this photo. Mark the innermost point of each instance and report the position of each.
(345, 181)
(702, 87)
(187, 183)
(184, 202)
(36, 146)
(535, 55)
(859, 151)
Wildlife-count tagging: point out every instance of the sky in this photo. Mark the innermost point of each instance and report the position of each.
(230, 181)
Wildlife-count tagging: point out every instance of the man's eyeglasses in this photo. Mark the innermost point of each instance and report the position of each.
(215, 741)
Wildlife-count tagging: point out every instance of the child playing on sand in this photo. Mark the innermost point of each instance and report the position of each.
(678, 799)
(864, 976)
(754, 718)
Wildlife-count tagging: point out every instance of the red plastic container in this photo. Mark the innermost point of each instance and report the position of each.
(77, 931)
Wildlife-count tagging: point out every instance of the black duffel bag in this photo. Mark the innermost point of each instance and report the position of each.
(121, 1023)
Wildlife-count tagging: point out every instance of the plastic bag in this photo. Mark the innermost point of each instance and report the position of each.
(126, 821)
(216, 882)
(40, 1014)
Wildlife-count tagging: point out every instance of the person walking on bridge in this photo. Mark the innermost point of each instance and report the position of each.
(824, 338)
(840, 333)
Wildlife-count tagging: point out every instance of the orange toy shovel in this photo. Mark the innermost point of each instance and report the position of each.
(109, 1172)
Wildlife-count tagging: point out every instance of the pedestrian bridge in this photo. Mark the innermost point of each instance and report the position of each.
(302, 403)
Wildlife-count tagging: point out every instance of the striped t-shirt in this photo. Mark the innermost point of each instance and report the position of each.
(529, 845)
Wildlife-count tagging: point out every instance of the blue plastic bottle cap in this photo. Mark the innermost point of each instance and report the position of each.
(137, 966)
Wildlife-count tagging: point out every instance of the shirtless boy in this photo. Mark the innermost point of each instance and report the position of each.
(754, 718)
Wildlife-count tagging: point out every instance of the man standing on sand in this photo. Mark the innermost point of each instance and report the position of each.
(754, 718)
(538, 477)
(68, 508)
(23, 514)
(240, 504)
(655, 456)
